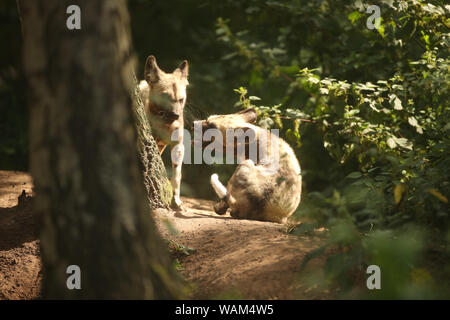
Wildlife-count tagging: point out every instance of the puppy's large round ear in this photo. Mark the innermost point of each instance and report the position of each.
(152, 72)
(249, 115)
(183, 69)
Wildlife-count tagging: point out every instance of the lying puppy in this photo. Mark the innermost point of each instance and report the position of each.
(266, 187)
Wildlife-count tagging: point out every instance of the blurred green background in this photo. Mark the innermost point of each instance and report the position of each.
(13, 109)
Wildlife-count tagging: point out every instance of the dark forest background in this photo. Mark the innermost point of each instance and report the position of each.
(367, 111)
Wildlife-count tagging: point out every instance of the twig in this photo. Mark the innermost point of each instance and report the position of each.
(301, 119)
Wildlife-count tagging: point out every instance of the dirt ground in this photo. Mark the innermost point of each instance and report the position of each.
(229, 258)
(20, 265)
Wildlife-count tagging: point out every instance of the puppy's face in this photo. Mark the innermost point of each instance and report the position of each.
(167, 90)
(167, 97)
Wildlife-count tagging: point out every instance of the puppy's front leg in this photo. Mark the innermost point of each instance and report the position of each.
(177, 153)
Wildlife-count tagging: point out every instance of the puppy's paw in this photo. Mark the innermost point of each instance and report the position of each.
(221, 207)
(177, 204)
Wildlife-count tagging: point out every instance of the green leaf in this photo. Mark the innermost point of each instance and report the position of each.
(381, 30)
(395, 102)
(323, 91)
(398, 192)
(229, 56)
(403, 142)
(446, 127)
(313, 80)
(354, 175)
(391, 143)
(412, 121)
(354, 16)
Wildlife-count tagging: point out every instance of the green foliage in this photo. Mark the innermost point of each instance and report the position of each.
(180, 250)
(13, 110)
(378, 102)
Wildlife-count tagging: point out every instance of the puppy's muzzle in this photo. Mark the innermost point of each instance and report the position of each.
(169, 116)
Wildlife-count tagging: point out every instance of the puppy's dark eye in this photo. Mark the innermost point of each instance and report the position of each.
(181, 101)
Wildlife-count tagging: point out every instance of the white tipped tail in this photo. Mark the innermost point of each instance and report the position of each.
(218, 187)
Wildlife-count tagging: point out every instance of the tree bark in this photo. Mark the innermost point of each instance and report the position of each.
(159, 189)
(84, 161)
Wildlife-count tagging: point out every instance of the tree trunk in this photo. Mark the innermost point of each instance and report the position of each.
(159, 189)
(84, 161)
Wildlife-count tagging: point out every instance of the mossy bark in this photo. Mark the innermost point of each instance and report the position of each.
(84, 161)
(159, 189)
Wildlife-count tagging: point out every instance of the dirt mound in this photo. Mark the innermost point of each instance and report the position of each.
(229, 258)
(237, 258)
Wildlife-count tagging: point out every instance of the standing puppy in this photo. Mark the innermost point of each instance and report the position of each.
(164, 97)
(266, 187)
